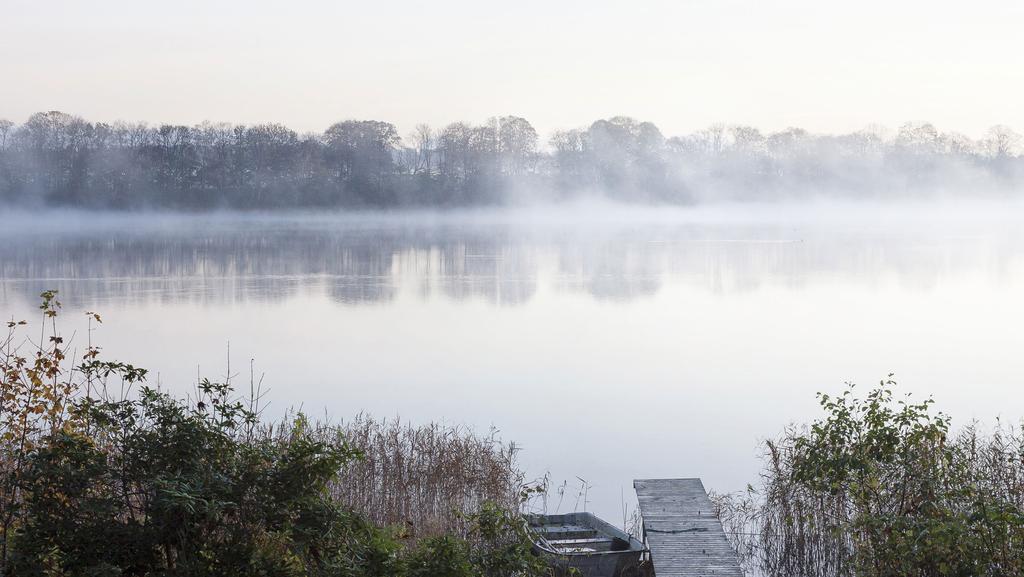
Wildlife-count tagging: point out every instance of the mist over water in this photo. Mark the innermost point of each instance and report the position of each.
(612, 342)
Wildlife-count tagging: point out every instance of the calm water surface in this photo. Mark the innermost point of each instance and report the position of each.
(610, 346)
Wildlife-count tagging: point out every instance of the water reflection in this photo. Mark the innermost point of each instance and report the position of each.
(500, 265)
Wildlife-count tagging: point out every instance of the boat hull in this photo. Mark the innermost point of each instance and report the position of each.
(583, 545)
(617, 564)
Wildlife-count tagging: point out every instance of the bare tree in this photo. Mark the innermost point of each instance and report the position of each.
(1002, 141)
(423, 143)
(6, 127)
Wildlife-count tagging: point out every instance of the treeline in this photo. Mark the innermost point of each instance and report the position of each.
(57, 159)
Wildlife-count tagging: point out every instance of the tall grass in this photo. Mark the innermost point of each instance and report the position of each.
(428, 480)
(427, 477)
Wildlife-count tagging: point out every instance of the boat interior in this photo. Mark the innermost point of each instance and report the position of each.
(578, 533)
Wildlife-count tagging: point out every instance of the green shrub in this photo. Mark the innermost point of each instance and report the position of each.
(162, 486)
(443, 556)
(880, 487)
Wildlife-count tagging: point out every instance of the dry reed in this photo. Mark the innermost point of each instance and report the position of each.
(423, 478)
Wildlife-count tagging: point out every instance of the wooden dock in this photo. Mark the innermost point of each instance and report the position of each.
(685, 537)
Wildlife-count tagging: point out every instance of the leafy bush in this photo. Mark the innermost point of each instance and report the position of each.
(442, 556)
(880, 487)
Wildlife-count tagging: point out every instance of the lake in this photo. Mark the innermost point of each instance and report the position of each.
(611, 343)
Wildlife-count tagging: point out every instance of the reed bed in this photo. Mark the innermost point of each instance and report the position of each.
(425, 478)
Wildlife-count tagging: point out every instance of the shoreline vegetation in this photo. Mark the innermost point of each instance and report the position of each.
(882, 486)
(101, 475)
(55, 159)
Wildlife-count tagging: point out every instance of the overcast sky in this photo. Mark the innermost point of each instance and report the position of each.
(683, 64)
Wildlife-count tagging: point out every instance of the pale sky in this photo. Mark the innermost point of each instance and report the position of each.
(684, 64)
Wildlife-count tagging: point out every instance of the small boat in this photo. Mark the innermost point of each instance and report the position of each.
(584, 545)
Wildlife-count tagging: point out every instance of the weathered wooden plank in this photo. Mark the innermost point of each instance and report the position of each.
(685, 537)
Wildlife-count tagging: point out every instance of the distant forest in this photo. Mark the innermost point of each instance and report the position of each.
(60, 160)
